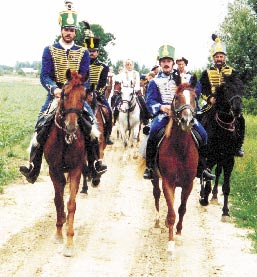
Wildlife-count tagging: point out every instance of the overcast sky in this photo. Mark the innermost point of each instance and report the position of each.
(140, 27)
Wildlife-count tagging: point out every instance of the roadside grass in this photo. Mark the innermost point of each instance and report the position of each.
(244, 183)
(20, 102)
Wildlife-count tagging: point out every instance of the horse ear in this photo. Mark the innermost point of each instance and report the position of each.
(68, 74)
(193, 81)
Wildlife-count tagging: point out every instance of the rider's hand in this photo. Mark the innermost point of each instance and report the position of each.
(212, 100)
(57, 93)
(166, 109)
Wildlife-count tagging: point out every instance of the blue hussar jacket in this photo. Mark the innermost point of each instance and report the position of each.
(55, 62)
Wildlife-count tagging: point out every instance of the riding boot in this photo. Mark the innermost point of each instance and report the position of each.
(150, 155)
(94, 157)
(33, 171)
(115, 115)
(42, 128)
(203, 170)
(108, 141)
(240, 128)
(151, 151)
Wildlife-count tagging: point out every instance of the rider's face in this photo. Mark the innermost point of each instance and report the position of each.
(68, 34)
(219, 59)
(167, 65)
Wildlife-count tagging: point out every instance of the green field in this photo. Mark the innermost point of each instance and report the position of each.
(20, 102)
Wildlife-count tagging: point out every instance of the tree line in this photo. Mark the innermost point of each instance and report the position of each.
(238, 31)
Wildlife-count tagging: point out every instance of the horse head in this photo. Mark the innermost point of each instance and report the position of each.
(72, 101)
(116, 87)
(128, 99)
(184, 105)
(229, 95)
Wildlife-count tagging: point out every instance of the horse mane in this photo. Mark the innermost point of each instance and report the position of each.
(75, 79)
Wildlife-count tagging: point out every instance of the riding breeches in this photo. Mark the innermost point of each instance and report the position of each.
(161, 120)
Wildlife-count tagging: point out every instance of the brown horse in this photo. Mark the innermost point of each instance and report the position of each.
(100, 112)
(64, 152)
(177, 160)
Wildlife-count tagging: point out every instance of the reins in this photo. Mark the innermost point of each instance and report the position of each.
(228, 126)
(60, 116)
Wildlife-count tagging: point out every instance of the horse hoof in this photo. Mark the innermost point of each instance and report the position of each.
(95, 182)
(171, 248)
(203, 202)
(68, 251)
(157, 224)
(225, 218)
(214, 201)
(58, 239)
(84, 191)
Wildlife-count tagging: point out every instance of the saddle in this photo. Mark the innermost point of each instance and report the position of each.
(104, 112)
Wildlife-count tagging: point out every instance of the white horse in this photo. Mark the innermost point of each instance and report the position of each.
(129, 120)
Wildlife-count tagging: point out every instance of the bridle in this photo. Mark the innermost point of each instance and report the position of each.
(228, 126)
(177, 111)
(131, 103)
(60, 117)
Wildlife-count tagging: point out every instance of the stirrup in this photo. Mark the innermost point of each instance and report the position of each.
(99, 167)
(207, 175)
(26, 172)
(149, 174)
(240, 153)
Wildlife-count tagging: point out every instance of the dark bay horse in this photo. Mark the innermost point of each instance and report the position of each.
(64, 152)
(221, 124)
(177, 160)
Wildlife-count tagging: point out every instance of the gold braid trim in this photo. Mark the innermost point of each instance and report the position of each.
(216, 77)
(62, 62)
(94, 74)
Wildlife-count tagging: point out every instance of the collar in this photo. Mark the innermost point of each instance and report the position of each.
(65, 45)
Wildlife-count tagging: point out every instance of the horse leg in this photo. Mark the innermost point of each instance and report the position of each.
(74, 176)
(169, 193)
(59, 182)
(204, 192)
(226, 188)
(182, 208)
(85, 173)
(156, 194)
(218, 171)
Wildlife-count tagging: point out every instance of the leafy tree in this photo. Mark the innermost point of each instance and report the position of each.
(253, 4)
(239, 32)
(98, 31)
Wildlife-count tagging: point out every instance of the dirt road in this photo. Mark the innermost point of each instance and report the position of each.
(115, 234)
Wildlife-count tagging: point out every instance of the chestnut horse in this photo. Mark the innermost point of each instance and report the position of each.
(64, 152)
(177, 160)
